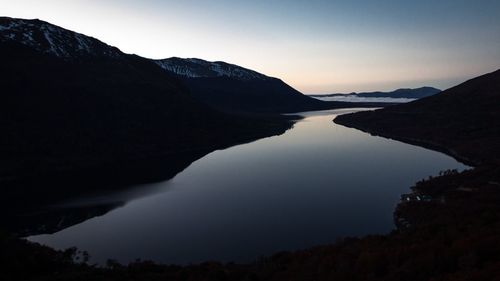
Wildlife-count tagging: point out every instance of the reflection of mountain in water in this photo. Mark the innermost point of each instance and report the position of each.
(41, 213)
(51, 220)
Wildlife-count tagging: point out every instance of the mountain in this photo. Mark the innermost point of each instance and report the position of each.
(416, 93)
(197, 68)
(232, 88)
(52, 40)
(78, 113)
(463, 121)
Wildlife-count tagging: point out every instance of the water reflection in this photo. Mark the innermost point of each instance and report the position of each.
(55, 217)
(306, 187)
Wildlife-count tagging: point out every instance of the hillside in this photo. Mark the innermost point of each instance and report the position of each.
(232, 88)
(463, 121)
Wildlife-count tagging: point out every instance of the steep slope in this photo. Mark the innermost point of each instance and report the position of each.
(463, 121)
(71, 105)
(233, 88)
(416, 93)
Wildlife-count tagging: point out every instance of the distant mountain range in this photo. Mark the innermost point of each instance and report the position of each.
(416, 93)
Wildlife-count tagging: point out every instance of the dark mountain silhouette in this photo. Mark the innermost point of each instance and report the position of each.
(463, 120)
(72, 107)
(233, 88)
(416, 93)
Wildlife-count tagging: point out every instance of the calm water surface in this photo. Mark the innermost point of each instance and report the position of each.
(316, 182)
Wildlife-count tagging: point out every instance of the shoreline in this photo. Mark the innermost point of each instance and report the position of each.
(418, 142)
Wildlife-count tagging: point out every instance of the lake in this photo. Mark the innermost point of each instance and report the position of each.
(315, 183)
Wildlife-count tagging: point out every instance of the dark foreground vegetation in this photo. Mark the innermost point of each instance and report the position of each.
(448, 227)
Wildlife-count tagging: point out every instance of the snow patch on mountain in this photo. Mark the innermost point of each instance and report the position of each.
(195, 68)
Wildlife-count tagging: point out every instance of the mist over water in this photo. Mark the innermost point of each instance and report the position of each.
(315, 183)
(348, 98)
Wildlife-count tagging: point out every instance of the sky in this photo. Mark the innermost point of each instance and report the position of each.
(316, 46)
